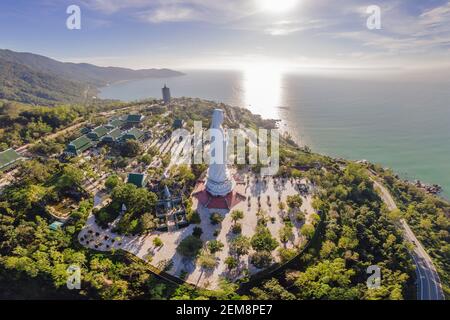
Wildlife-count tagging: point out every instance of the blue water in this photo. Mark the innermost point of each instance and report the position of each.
(398, 121)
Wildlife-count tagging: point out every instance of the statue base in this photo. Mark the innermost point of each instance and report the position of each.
(210, 201)
(220, 188)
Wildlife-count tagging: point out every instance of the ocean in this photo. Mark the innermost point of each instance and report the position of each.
(399, 120)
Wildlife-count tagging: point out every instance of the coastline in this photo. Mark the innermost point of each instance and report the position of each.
(301, 119)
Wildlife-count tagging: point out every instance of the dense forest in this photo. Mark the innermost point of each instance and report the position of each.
(20, 83)
(428, 217)
(356, 230)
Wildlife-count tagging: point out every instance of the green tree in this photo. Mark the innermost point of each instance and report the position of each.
(237, 215)
(231, 262)
(294, 201)
(272, 290)
(190, 246)
(326, 280)
(240, 245)
(307, 230)
(112, 181)
(207, 260)
(215, 246)
(262, 240)
(261, 259)
(286, 234)
(130, 149)
(287, 254)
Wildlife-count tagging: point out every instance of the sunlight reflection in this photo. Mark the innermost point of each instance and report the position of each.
(262, 90)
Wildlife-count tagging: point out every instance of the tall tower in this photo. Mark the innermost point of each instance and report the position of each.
(219, 181)
(166, 94)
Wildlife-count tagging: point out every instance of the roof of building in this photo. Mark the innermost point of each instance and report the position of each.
(85, 130)
(55, 225)
(81, 143)
(100, 131)
(138, 179)
(116, 122)
(134, 118)
(8, 157)
(114, 134)
(134, 132)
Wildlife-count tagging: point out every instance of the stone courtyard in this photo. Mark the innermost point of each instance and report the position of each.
(269, 191)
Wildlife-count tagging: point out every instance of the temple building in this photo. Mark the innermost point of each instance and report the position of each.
(138, 179)
(133, 119)
(114, 136)
(97, 133)
(79, 145)
(133, 134)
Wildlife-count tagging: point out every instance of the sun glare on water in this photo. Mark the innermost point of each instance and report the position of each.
(262, 86)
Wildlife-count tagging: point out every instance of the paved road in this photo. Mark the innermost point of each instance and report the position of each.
(428, 282)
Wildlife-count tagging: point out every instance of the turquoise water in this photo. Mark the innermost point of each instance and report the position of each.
(402, 122)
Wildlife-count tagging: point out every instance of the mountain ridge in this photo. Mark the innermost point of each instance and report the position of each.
(61, 81)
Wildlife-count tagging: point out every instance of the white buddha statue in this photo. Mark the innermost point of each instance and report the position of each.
(219, 181)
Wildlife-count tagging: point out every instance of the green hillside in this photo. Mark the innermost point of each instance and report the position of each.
(21, 83)
(32, 78)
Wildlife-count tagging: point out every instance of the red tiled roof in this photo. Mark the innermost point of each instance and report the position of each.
(212, 202)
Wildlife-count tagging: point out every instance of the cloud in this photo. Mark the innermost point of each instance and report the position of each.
(286, 27)
(408, 27)
(159, 11)
(113, 6)
(171, 14)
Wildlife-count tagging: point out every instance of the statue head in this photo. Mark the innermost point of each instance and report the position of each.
(217, 118)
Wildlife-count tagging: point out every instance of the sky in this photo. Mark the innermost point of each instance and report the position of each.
(233, 34)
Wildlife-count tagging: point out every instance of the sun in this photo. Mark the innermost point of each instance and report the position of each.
(277, 6)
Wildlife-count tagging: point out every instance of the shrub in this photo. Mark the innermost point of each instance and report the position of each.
(236, 228)
(215, 246)
(215, 218)
(157, 242)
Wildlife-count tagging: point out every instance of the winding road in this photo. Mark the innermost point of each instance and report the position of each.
(428, 282)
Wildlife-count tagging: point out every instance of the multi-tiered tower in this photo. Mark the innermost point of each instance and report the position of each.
(166, 94)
